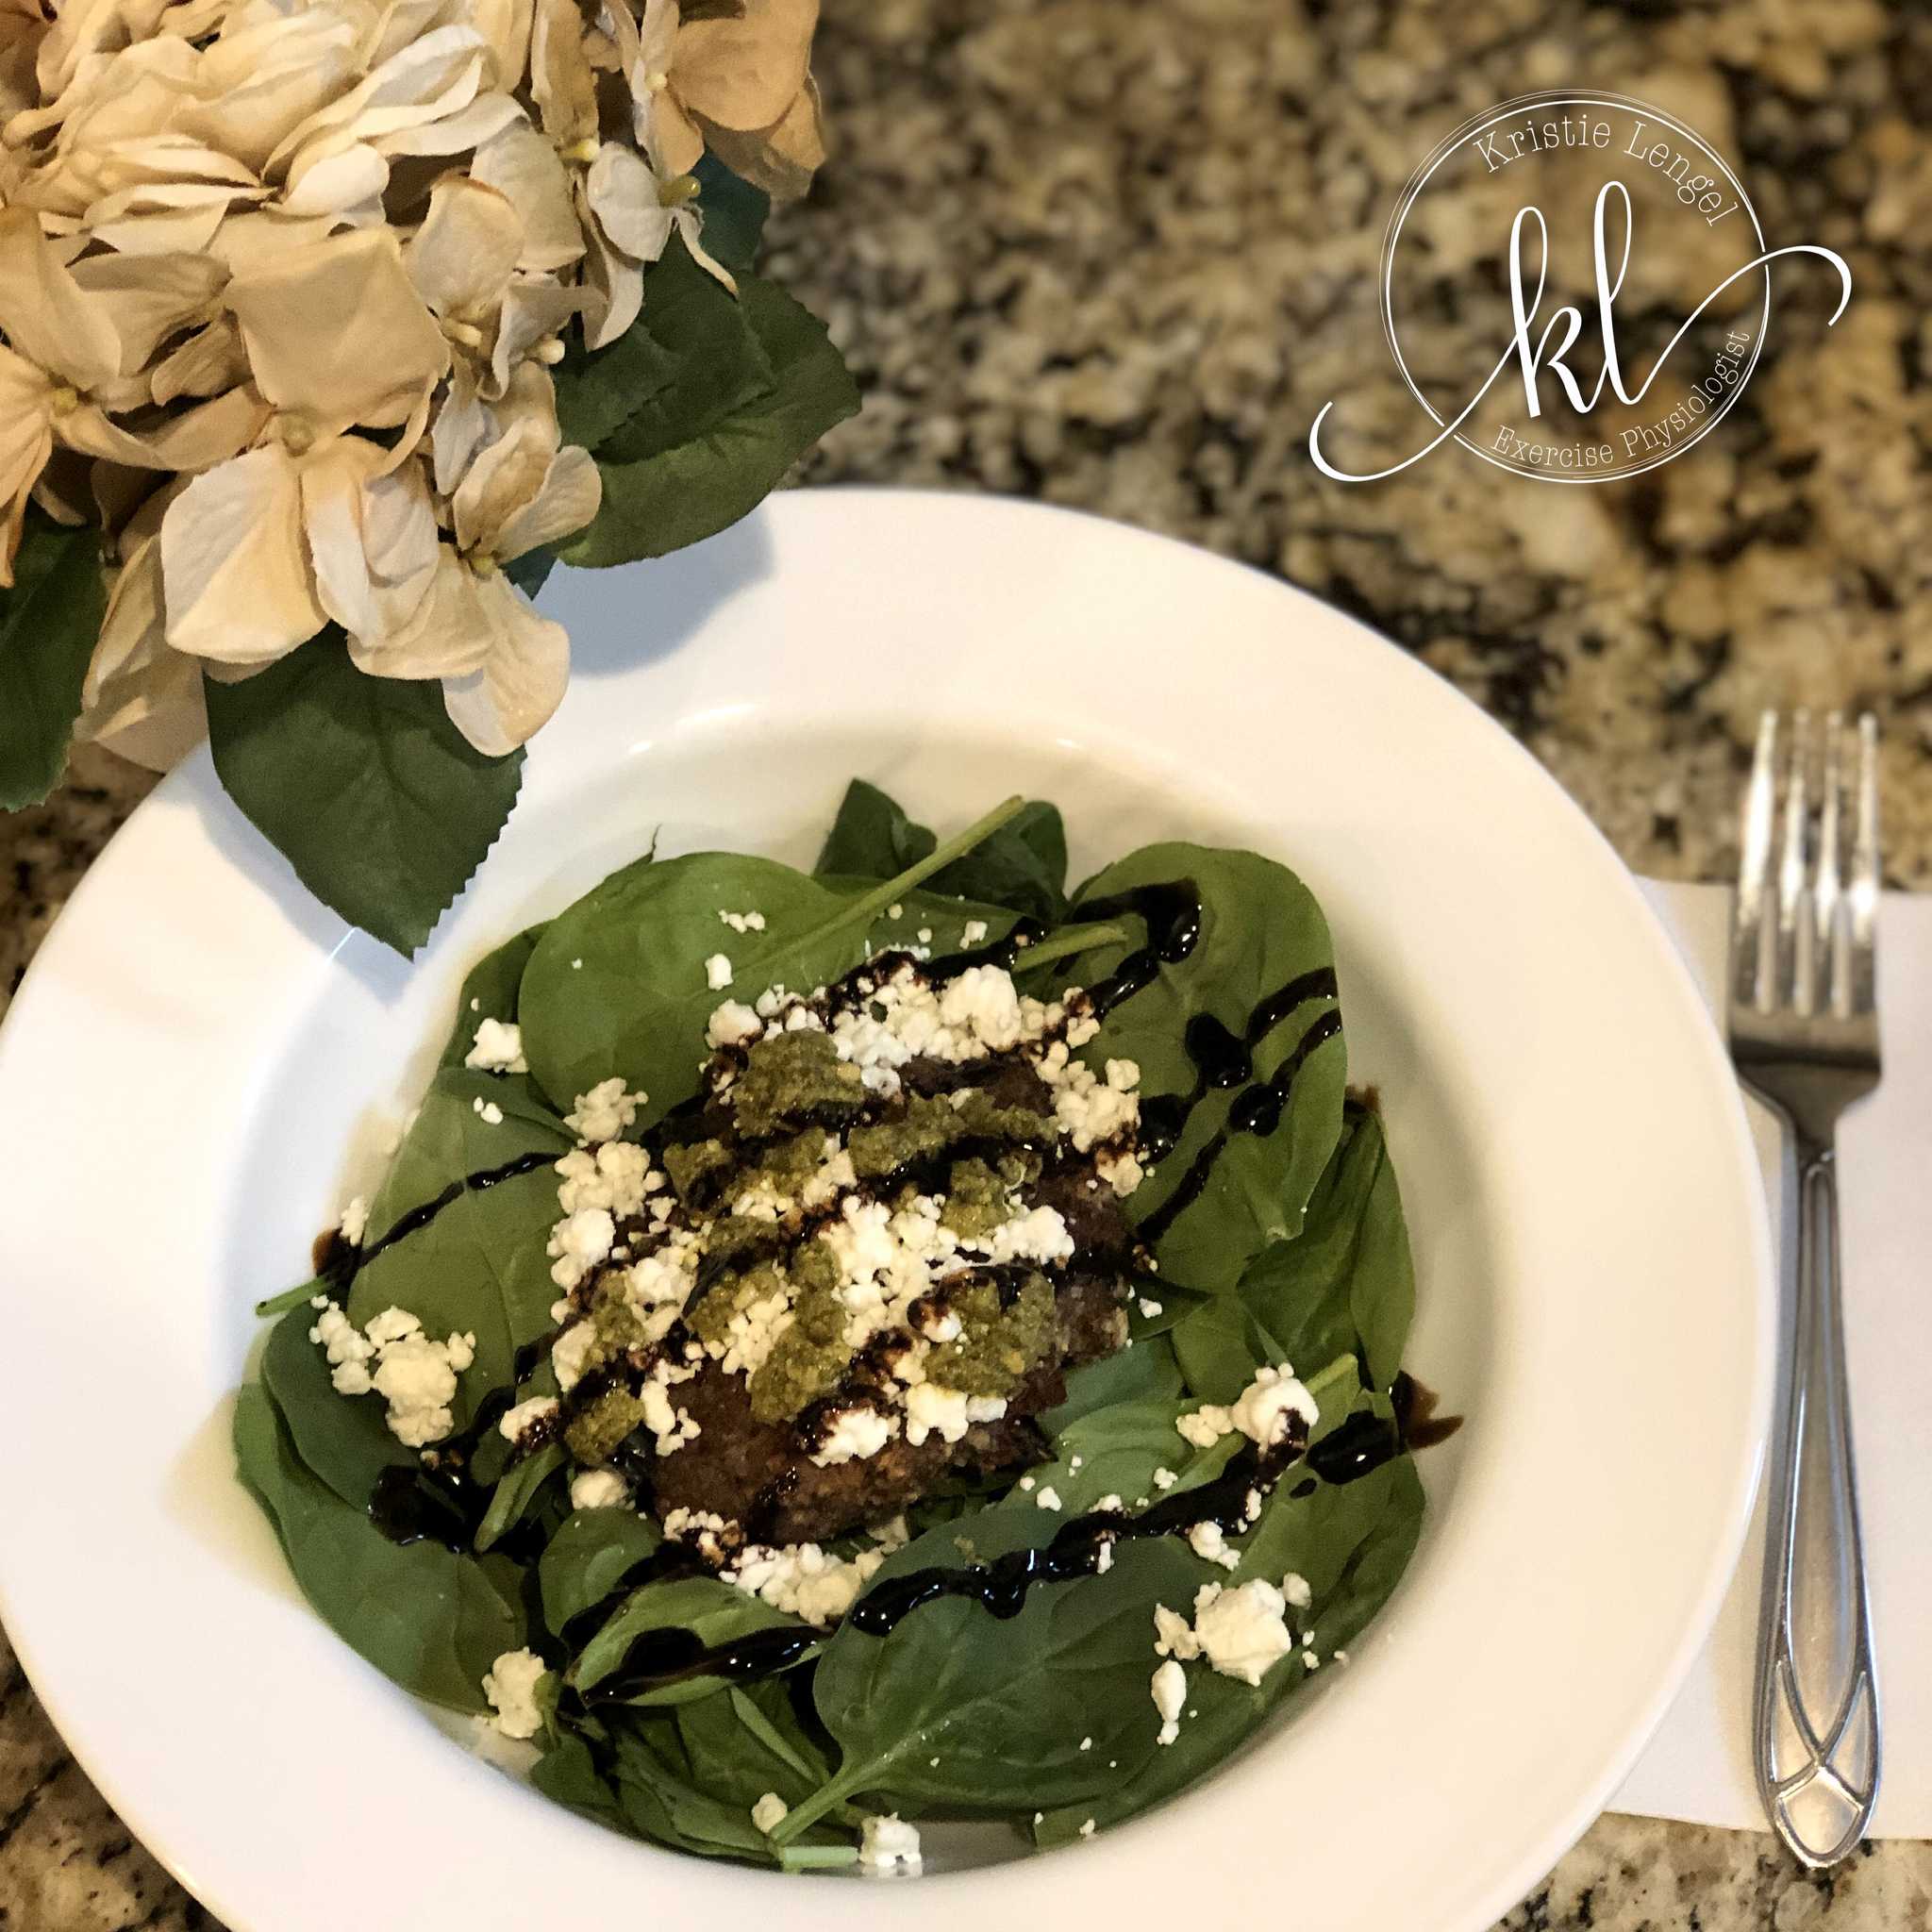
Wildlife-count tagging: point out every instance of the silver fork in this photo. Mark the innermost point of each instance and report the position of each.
(1804, 1028)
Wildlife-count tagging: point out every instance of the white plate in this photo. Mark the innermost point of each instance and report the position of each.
(199, 1044)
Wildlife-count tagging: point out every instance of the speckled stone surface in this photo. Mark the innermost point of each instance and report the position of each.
(1116, 255)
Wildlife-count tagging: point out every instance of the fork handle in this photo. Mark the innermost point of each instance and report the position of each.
(1817, 1743)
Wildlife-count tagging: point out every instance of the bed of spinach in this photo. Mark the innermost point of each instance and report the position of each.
(1293, 1251)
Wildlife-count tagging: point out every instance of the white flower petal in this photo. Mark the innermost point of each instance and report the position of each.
(207, 362)
(523, 166)
(572, 491)
(236, 572)
(523, 678)
(372, 536)
(44, 314)
(141, 698)
(447, 635)
(462, 257)
(623, 194)
(321, 183)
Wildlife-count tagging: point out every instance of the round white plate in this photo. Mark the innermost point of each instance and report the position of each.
(199, 1049)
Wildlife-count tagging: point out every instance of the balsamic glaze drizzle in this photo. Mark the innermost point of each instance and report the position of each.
(345, 1261)
(674, 1655)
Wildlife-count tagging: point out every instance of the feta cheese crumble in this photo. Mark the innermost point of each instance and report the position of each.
(526, 1415)
(1048, 1498)
(605, 1111)
(509, 1685)
(975, 931)
(856, 1433)
(598, 1489)
(743, 921)
(1261, 1411)
(354, 1221)
(498, 1048)
(415, 1375)
(802, 1579)
(771, 1810)
(1206, 1541)
(491, 1114)
(888, 1844)
(1169, 1690)
(717, 971)
(1295, 1591)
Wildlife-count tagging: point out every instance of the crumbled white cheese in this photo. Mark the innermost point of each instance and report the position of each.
(615, 1177)
(893, 910)
(1165, 1478)
(354, 1221)
(1089, 1111)
(975, 931)
(889, 1843)
(743, 921)
(732, 1024)
(579, 1242)
(1038, 1235)
(1174, 1636)
(1241, 1630)
(1207, 1542)
(1262, 1409)
(1170, 1692)
(490, 1113)
(671, 1426)
(570, 1354)
(1103, 1556)
(415, 1377)
(1048, 1498)
(802, 1579)
(1295, 1591)
(1149, 1308)
(1088, 1829)
(511, 1687)
(856, 1433)
(526, 1415)
(1206, 1425)
(717, 971)
(598, 1489)
(605, 1111)
(947, 1413)
(771, 1810)
(498, 1048)
(1111, 1501)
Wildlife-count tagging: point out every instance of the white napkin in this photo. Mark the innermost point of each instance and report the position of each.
(1698, 1765)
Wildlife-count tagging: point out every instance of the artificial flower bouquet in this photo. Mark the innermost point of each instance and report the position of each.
(325, 325)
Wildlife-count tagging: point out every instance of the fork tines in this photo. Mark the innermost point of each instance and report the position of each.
(1805, 941)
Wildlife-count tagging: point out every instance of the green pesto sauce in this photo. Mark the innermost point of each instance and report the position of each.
(807, 1360)
(593, 1436)
(692, 1164)
(793, 1077)
(975, 1200)
(996, 1346)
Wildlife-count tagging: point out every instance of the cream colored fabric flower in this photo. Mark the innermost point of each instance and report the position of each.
(502, 667)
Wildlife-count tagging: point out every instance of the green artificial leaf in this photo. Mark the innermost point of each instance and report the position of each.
(589, 1557)
(431, 1621)
(50, 622)
(734, 214)
(530, 571)
(1347, 1284)
(1260, 931)
(872, 837)
(712, 1611)
(1021, 866)
(1144, 1370)
(379, 803)
(617, 985)
(598, 393)
(479, 1266)
(1002, 1703)
(341, 1438)
(761, 385)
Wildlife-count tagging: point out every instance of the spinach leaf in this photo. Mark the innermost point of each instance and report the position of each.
(479, 1267)
(1022, 866)
(567, 1773)
(1119, 1450)
(1348, 1283)
(490, 992)
(429, 1620)
(748, 1742)
(589, 1557)
(1140, 1371)
(712, 1611)
(341, 1438)
(639, 1002)
(517, 1492)
(1003, 1705)
(1350, 1542)
(1260, 930)
(872, 837)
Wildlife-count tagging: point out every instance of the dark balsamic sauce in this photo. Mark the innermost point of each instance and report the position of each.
(1415, 1413)
(674, 1656)
(1004, 952)
(339, 1261)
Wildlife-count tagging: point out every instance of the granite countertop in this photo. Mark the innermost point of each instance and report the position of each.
(1116, 255)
